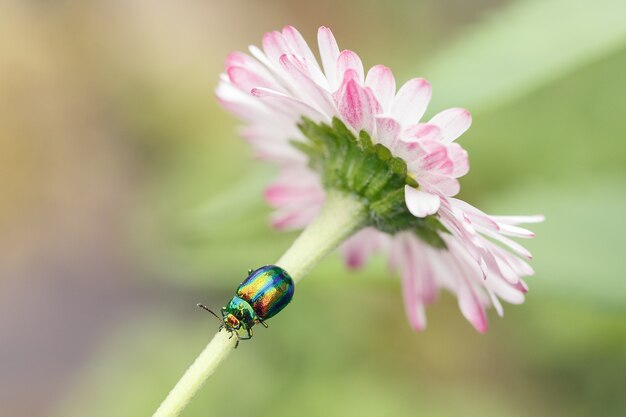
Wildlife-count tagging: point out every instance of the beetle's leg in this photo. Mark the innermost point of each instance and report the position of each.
(236, 334)
(250, 271)
(263, 323)
(246, 338)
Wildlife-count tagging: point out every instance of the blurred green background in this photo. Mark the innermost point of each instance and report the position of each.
(127, 197)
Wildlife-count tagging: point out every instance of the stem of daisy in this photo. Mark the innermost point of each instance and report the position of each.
(215, 352)
(341, 216)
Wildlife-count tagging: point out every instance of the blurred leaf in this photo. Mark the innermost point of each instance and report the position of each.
(564, 133)
(221, 211)
(523, 46)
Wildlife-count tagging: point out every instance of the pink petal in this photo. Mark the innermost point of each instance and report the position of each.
(246, 80)
(293, 219)
(503, 289)
(357, 105)
(425, 279)
(434, 157)
(459, 159)
(444, 184)
(380, 79)
(357, 249)
(514, 246)
(413, 306)
(329, 52)
(298, 45)
(504, 271)
(239, 59)
(355, 256)
(274, 46)
(350, 61)
(420, 203)
(409, 152)
(475, 215)
(411, 101)
(472, 309)
(320, 96)
(387, 131)
(522, 286)
(412, 303)
(288, 105)
(298, 195)
(241, 103)
(453, 123)
(421, 131)
(269, 145)
(279, 194)
(260, 55)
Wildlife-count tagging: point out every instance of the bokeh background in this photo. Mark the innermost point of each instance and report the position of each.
(126, 197)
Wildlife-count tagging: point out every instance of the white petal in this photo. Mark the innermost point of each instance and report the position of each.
(420, 203)
(475, 215)
(411, 101)
(515, 220)
(307, 87)
(329, 52)
(239, 59)
(514, 246)
(453, 123)
(298, 46)
(507, 229)
(380, 79)
(274, 46)
(496, 303)
(246, 80)
(288, 105)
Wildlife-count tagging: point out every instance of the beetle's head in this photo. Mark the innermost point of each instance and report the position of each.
(231, 322)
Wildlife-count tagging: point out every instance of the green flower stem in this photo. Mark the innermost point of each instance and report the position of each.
(341, 216)
(215, 352)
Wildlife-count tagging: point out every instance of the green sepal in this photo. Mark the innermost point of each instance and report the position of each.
(370, 172)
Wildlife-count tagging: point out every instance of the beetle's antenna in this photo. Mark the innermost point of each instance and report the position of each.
(210, 311)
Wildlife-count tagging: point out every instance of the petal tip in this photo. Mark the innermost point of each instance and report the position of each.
(421, 203)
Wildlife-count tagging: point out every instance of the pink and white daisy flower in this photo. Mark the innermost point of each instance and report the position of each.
(464, 251)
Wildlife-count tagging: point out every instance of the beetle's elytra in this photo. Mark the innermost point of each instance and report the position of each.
(262, 295)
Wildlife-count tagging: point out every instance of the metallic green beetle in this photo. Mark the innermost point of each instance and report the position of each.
(262, 295)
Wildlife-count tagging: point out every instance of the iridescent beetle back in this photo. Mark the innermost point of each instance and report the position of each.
(262, 295)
